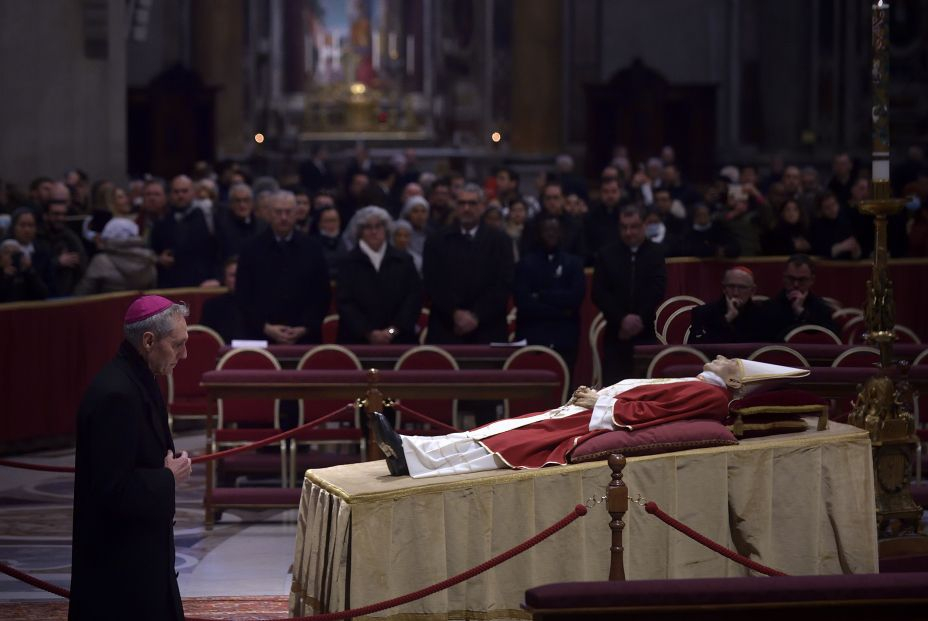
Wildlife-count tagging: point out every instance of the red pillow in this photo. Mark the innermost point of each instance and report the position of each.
(678, 435)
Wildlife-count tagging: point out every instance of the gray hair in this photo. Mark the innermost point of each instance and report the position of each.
(402, 224)
(241, 187)
(158, 324)
(411, 202)
(472, 188)
(266, 184)
(284, 195)
(362, 216)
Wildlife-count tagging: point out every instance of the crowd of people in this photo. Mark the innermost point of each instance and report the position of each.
(392, 237)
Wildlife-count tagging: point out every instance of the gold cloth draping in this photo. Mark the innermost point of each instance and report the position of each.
(801, 503)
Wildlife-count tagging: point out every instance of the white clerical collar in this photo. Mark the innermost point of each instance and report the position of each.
(376, 256)
(471, 233)
(284, 239)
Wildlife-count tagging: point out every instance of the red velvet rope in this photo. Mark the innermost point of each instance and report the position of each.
(577, 512)
(22, 465)
(32, 580)
(422, 418)
(201, 458)
(652, 508)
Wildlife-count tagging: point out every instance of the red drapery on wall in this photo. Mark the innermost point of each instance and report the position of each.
(51, 350)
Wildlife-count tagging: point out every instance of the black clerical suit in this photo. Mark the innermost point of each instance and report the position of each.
(626, 282)
(465, 273)
(122, 562)
(709, 324)
(548, 292)
(369, 299)
(186, 234)
(779, 317)
(283, 282)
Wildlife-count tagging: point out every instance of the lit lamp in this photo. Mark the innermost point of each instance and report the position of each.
(883, 406)
(360, 109)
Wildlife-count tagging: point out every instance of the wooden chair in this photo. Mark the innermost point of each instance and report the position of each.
(344, 431)
(673, 356)
(667, 308)
(860, 356)
(677, 327)
(853, 330)
(422, 324)
(444, 410)
(843, 315)
(512, 323)
(905, 334)
(186, 400)
(811, 333)
(242, 421)
(779, 354)
(537, 357)
(330, 329)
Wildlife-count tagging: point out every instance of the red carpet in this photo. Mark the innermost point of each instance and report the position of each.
(226, 608)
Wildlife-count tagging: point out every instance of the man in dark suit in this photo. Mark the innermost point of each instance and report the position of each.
(629, 280)
(186, 248)
(468, 272)
(379, 294)
(733, 318)
(123, 539)
(796, 305)
(282, 281)
(548, 292)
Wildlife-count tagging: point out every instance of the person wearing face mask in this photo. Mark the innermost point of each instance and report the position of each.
(327, 230)
(733, 318)
(379, 294)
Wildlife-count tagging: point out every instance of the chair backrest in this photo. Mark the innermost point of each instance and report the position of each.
(833, 302)
(857, 357)
(264, 412)
(905, 334)
(538, 357)
(667, 308)
(779, 354)
(323, 357)
(330, 329)
(811, 333)
(673, 356)
(853, 330)
(844, 315)
(512, 323)
(678, 325)
(429, 357)
(596, 346)
(921, 358)
(759, 298)
(423, 322)
(203, 345)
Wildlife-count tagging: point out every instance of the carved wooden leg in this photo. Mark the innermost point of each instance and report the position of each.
(617, 505)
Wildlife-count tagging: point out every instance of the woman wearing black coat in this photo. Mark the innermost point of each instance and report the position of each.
(379, 293)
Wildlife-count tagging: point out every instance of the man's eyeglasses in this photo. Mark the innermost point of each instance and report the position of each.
(797, 280)
(469, 202)
(735, 287)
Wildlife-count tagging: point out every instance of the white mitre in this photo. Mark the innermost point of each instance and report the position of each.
(754, 373)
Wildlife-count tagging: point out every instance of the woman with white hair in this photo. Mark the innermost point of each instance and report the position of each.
(416, 212)
(379, 293)
(401, 238)
(124, 263)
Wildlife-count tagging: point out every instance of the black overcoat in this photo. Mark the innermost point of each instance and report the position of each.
(123, 540)
(369, 299)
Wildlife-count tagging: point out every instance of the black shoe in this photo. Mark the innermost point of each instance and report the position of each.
(390, 444)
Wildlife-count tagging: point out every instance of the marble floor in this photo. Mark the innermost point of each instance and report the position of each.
(248, 553)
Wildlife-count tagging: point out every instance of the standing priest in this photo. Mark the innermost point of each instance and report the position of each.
(123, 540)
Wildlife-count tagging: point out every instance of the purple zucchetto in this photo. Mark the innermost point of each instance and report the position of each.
(146, 306)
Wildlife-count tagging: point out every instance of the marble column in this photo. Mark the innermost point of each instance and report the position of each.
(537, 76)
(217, 50)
